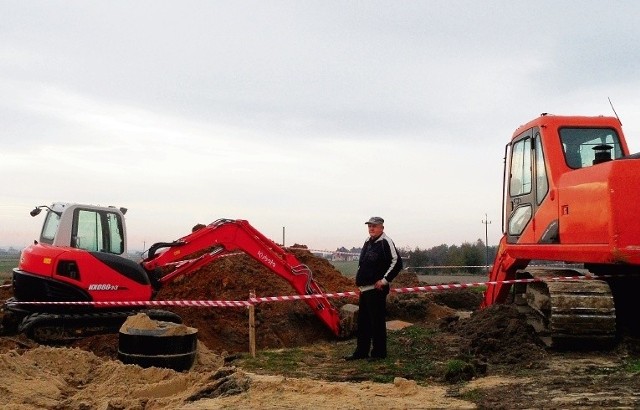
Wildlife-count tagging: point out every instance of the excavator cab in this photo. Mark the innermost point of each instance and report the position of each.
(542, 192)
(570, 204)
(92, 228)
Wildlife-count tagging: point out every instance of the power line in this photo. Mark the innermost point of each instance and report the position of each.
(486, 223)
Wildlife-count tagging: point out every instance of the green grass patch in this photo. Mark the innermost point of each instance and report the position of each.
(347, 268)
(411, 355)
(633, 366)
(287, 361)
(478, 289)
(7, 263)
(473, 395)
(456, 365)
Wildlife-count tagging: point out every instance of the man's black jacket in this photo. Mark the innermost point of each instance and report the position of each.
(379, 259)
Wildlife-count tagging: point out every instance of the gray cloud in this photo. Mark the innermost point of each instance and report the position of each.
(275, 111)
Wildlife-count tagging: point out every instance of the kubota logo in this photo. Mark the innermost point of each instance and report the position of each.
(103, 286)
(266, 259)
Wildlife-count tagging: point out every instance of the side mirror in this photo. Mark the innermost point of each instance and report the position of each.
(38, 209)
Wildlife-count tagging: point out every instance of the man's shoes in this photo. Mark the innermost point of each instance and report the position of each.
(376, 358)
(354, 357)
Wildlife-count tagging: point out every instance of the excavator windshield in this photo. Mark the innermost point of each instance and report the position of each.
(584, 147)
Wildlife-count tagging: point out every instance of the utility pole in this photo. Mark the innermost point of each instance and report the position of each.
(486, 223)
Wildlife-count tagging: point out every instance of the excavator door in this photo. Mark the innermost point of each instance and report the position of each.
(526, 185)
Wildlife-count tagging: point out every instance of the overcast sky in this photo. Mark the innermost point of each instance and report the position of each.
(311, 116)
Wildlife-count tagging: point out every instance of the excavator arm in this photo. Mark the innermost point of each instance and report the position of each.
(225, 236)
(504, 268)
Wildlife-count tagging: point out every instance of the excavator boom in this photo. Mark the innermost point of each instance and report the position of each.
(225, 236)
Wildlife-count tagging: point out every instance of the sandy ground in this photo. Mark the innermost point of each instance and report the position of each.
(71, 378)
(277, 392)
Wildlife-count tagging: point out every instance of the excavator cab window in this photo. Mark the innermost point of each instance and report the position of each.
(520, 219)
(542, 182)
(520, 183)
(97, 231)
(584, 147)
(50, 228)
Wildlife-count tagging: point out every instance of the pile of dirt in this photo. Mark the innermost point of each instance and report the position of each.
(429, 306)
(6, 291)
(67, 378)
(141, 321)
(406, 279)
(500, 335)
(459, 299)
(101, 345)
(278, 324)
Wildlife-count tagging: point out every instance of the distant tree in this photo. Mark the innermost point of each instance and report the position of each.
(439, 254)
(455, 256)
(467, 254)
(472, 255)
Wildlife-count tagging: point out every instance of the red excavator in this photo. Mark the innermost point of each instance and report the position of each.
(79, 258)
(571, 209)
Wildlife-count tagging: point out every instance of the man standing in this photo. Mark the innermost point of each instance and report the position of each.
(378, 265)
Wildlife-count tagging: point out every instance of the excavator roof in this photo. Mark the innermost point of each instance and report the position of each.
(556, 121)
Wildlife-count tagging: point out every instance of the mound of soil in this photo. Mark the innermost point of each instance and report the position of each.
(278, 324)
(429, 306)
(500, 335)
(406, 279)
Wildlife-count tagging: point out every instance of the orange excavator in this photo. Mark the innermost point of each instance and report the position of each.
(79, 258)
(571, 229)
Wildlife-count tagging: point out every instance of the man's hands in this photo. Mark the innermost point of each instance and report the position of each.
(380, 284)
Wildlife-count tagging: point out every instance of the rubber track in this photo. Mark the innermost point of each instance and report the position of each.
(45, 327)
(576, 313)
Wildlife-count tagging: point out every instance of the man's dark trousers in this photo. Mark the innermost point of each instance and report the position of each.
(372, 326)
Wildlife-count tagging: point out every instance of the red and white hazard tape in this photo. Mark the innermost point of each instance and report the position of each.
(138, 303)
(255, 300)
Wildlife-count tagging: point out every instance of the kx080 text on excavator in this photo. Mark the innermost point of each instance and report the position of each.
(79, 258)
(571, 230)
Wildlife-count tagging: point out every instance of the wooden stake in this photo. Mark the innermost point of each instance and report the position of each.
(252, 325)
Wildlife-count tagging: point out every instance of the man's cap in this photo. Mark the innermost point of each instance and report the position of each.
(375, 220)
